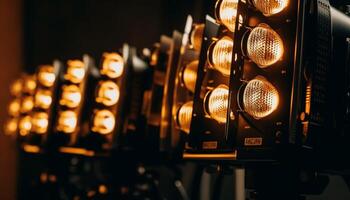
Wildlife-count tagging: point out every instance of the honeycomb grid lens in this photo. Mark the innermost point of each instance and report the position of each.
(216, 102)
(220, 55)
(260, 98)
(227, 13)
(184, 116)
(270, 7)
(264, 46)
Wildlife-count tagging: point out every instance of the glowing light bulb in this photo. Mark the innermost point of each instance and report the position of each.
(40, 122)
(11, 126)
(67, 121)
(108, 93)
(216, 102)
(226, 13)
(220, 55)
(189, 75)
(260, 98)
(43, 99)
(75, 71)
(113, 65)
(270, 7)
(71, 96)
(16, 88)
(46, 75)
(196, 36)
(29, 84)
(184, 116)
(103, 122)
(27, 104)
(264, 46)
(14, 107)
(25, 125)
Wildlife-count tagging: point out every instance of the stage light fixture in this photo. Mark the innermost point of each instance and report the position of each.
(184, 116)
(75, 71)
(226, 13)
(260, 98)
(189, 75)
(27, 104)
(264, 46)
(46, 75)
(67, 121)
(71, 96)
(108, 93)
(113, 65)
(103, 122)
(40, 122)
(220, 55)
(43, 98)
(14, 107)
(270, 7)
(216, 103)
(196, 36)
(25, 125)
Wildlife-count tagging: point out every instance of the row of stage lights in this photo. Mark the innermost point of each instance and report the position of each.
(224, 89)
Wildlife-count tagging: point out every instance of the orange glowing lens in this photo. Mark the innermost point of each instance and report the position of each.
(108, 93)
(260, 98)
(189, 75)
(75, 71)
(270, 7)
(71, 96)
(264, 46)
(27, 104)
(46, 75)
(11, 126)
(25, 125)
(40, 122)
(67, 121)
(227, 12)
(220, 55)
(216, 102)
(103, 122)
(43, 99)
(16, 88)
(113, 65)
(14, 107)
(184, 116)
(29, 84)
(196, 36)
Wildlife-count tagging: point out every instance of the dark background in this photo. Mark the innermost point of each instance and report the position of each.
(66, 29)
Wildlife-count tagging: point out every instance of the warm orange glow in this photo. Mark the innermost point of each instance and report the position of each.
(11, 126)
(217, 103)
(75, 71)
(154, 56)
(227, 13)
(25, 125)
(103, 122)
(43, 99)
(46, 75)
(14, 107)
(260, 98)
(67, 121)
(77, 151)
(31, 148)
(189, 75)
(27, 104)
(40, 122)
(29, 84)
(270, 7)
(197, 36)
(112, 65)
(220, 55)
(108, 93)
(184, 116)
(71, 96)
(16, 88)
(264, 46)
